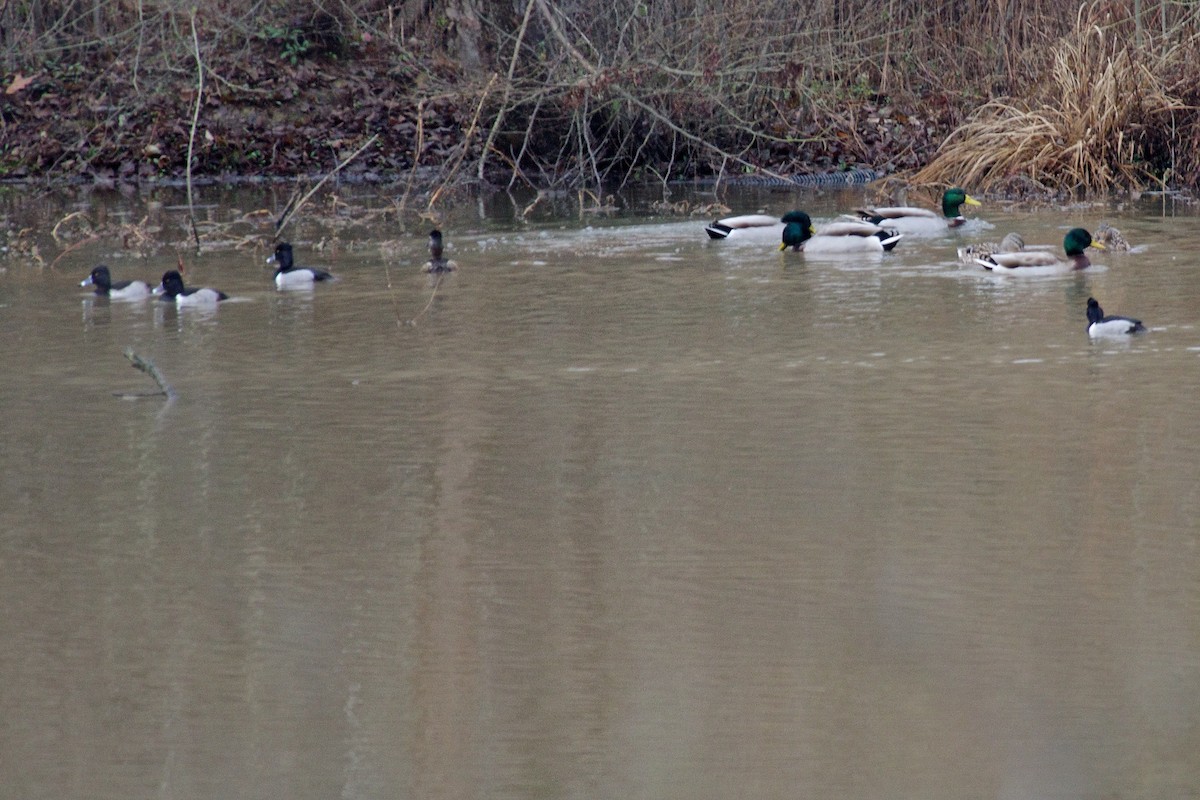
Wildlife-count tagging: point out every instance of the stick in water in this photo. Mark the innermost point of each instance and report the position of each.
(147, 366)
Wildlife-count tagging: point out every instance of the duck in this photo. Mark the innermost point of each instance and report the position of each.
(288, 275)
(745, 226)
(173, 291)
(101, 278)
(1111, 238)
(1101, 325)
(1042, 262)
(1011, 243)
(908, 219)
(845, 236)
(438, 262)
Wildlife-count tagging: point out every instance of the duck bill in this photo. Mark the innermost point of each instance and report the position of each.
(157, 290)
(1098, 246)
(971, 201)
(86, 281)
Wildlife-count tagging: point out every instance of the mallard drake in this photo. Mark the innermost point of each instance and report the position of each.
(1101, 325)
(290, 276)
(101, 278)
(1043, 262)
(437, 260)
(1111, 238)
(757, 225)
(907, 219)
(837, 237)
(1011, 243)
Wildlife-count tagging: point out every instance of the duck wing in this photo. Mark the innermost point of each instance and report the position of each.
(849, 228)
(1022, 258)
(721, 228)
(896, 212)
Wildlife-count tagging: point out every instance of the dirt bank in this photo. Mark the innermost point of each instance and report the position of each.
(264, 117)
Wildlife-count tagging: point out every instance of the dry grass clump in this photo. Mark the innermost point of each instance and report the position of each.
(1090, 131)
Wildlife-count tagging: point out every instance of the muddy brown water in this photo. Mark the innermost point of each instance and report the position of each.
(626, 513)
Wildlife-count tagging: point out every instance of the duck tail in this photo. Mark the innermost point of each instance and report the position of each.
(868, 215)
(717, 231)
(889, 239)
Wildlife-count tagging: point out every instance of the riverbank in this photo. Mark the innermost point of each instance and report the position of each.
(1052, 100)
(307, 118)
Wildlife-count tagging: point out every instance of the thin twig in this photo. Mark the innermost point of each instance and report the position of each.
(291, 212)
(287, 209)
(195, 121)
(412, 173)
(137, 56)
(436, 284)
(512, 68)
(387, 272)
(520, 157)
(75, 246)
(67, 218)
(466, 140)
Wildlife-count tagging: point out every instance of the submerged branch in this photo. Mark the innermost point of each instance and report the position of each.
(147, 366)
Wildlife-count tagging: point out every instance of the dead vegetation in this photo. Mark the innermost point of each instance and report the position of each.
(566, 94)
(1097, 123)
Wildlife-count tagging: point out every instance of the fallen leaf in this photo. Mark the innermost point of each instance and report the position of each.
(18, 83)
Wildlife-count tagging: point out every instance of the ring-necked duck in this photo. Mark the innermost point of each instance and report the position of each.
(288, 275)
(1101, 325)
(173, 291)
(121, 290)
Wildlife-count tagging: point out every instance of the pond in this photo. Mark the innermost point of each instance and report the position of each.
(612, 511)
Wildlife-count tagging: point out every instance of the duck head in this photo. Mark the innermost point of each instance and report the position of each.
(953, 200)
(797, 229)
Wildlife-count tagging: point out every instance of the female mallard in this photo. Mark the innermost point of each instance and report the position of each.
(1101, 325)
(1111, 238)
(1011, 243)
(837, 237)
(907, 219)
(1043, 262)
(756, 225)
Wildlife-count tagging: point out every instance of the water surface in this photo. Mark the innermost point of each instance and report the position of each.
(621, 513)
